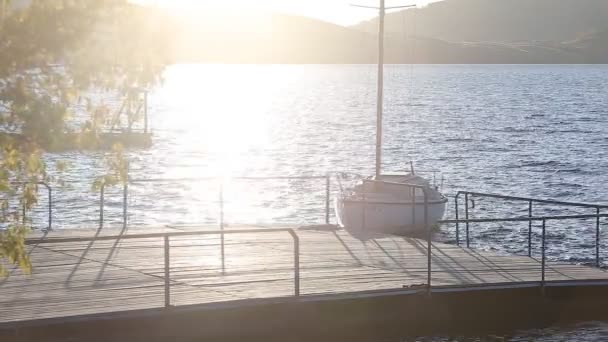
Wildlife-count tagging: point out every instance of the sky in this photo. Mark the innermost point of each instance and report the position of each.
(336, 11)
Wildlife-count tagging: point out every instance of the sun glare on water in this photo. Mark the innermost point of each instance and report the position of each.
(223, 116)
(224, 111)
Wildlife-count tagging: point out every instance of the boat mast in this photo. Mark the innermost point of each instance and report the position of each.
(380, 93)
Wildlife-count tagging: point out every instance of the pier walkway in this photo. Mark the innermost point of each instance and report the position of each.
(75, 277)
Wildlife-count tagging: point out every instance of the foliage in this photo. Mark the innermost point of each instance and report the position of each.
(53, 53)
(12, 249)
(118, 169)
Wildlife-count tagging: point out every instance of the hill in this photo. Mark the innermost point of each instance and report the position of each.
(451, 31)
(499, 20)
(270, 38)
(593, 47)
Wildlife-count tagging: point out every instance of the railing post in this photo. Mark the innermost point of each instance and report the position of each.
(125, 191)
(597, 237)
(457, 224)
(223, 256)
(167, 273)
(413, 206)
(23, 207)
(145, 112)
(466, 216)
(530, 229)
(296, 262)
(429, 235)
(327, 190)
(363, 216)
(50, 206)
(101, 203)
(543, 247)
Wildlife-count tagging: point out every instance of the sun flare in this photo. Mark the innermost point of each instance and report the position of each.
(227, 129)
(336, 11)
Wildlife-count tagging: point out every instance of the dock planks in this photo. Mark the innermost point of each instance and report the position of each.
(97, 277)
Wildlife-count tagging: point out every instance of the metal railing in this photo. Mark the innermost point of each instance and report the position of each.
(457, 221)
(542, 219)
(530, 201)
(166, 238)
(529, 219)
(125, 192)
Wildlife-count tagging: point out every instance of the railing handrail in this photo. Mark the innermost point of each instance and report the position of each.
(597, 216)
(528, 199)
(523, 219)
(219, 178)
(530, 202)
(48, 240)
(406, 185)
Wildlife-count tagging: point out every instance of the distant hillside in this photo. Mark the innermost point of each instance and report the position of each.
(451, 31)
(435, 51)
(594, 47)
(499, 20)
(272, 38)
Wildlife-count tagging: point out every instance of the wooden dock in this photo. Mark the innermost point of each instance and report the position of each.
(79, 279)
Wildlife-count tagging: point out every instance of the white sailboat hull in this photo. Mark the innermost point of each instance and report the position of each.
(390, 204)
(363, 218)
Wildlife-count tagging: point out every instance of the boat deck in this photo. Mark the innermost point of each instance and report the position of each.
(75, 279)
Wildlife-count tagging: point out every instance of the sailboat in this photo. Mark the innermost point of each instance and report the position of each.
(401, 204)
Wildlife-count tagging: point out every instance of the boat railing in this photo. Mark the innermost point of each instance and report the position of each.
(424, 188)
(435, 177)
(469, 202)
(341, 177)
(405, 185)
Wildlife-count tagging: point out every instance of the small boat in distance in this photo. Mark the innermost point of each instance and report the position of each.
(388, 204)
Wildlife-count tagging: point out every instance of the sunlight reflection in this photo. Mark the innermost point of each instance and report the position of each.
(229, 106)
(223, 112)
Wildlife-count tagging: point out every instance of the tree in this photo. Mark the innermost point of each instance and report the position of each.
(52, 53)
